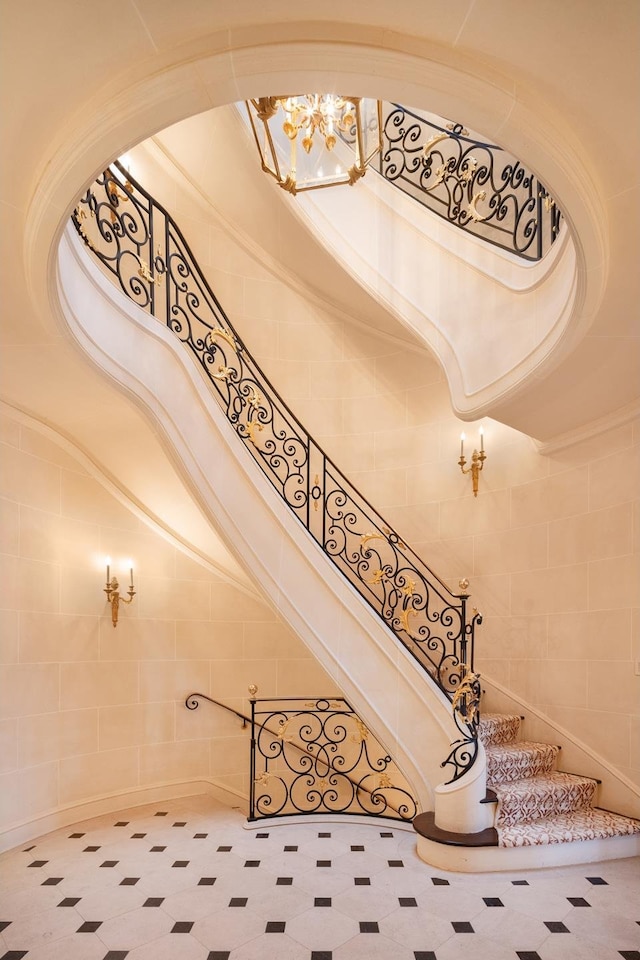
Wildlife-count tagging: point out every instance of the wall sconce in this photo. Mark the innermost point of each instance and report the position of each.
(477, 461)
(112, 590)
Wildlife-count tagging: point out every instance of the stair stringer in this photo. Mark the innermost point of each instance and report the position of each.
(408, 713)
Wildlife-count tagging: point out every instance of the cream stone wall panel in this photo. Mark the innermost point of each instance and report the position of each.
(385, 412)
(208, 721)
(352, 453)
(591, 536)
(511, 551)
(131, 725)
(230, 755)
(162, 680)
(413, 367)
(9, 431)
(98, 684)
(97, 774)
(584, 448)
(438, 482)
(83, 498)
(40, 535)
(450, 559)
(327, 341)
(634, 746)
(9, 635)
(174, 761)
(304, 678)
(81, 593)
(229, 603)
(431, 404)
(152, 555)
(260, 336)
(490, 594)
(552, 590)
(560, 495)
(37, 445)
(614, 479)
(345, 379)
(564, 683)
(48, 736)
(8, 745)
(384, 488)
(486, 513)
(24, 794)
(29, 480)
(606, 732)
(613, 683)
(614, 582)
(230, 678)
(292, 377)
(415, 523)
(512, 459)
(29, 688)
(593, 635)
(512, 638)
(406, 445)
(137, 639)
(207, 639)
(46, 637)
(9, 527)
(164, 598)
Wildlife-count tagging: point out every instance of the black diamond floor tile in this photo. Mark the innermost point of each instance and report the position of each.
(324, 834)
(206, 881)
(357, 848)
(69, 902)
(556, 926)
(386, 833)
(322, 902)
(252, 863)
(597, 881)
(137, 836)
(290, 849)
(629, 954)
(116, 955)
(157, 849)
(89, 926)
(528, 955)
(14, 955)
(493, 902)
(520, 883)
(180, 823)
(223, 849)
(439, 882)
(109, 863)
(262, 836)
(75, 836)
(462, 926)
(284, 881)
(129, 881)
(395, 863)
(90, 849)
(153, 902)
(4, 924)
(238, 901)
(323, 863)
(52, 881)
(321, 955)
(180, 863)
(161, 813)
(182, 926)
(29, 849)
(362, 881)
(219, 955)
(424, 955)
(122, 823)
(578, 902)
(369, 926)
(200, 836)
(37, 863)
(407, 901)
(275, 926)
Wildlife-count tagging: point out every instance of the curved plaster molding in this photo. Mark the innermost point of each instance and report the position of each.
(124, 496)
(235, 64)
(379, 677)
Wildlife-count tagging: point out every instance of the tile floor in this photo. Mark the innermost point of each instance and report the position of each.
(183, 880)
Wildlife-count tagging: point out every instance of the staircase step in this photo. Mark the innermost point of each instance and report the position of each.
(547, 795)
(514, 761)
(499, 728)
(588, 824)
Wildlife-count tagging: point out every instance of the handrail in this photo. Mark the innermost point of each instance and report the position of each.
(477, 186)
(322, 769)
(136, 240)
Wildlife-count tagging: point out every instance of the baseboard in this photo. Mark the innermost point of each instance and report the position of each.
(74, 813)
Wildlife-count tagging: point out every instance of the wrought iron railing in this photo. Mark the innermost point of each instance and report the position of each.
(317, 757)
(135, 239)
(477, 186)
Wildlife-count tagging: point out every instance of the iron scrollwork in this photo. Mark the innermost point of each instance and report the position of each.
(475, 185)
(135, 239)
(320, 758)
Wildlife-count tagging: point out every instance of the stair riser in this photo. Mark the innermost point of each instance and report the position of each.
(541, 803)
(506, 766)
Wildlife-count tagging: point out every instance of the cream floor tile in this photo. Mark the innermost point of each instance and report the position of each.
(228, 928)
(313, 929)
(415, 928)
(134, 928)
(36, 929)
(81, 946)
(371, 946)
(173, 946)
(268, 946)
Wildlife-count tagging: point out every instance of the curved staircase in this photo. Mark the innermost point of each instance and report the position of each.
(543, 816)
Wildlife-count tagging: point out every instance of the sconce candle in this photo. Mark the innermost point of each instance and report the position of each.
(112, 590)
(477, 461)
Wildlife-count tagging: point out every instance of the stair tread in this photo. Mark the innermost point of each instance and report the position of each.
(499, 728)
(507, 762)
(587, 824)
(545, 795)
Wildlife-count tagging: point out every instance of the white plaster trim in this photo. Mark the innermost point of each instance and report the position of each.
(124, 496)
(318, 818)
(613, 420)
(73, 813)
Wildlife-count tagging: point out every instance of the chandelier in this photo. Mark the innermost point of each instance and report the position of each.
(315, 140)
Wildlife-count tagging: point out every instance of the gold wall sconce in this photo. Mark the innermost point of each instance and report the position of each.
(477, 461)
(112, 590)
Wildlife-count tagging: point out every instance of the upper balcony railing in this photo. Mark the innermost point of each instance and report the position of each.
(476, 186)
(135, 239)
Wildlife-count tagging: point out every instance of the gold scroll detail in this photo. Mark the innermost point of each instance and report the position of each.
(466, 699)
(472, 211)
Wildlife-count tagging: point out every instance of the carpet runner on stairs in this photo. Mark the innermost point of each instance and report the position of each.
(536, 803)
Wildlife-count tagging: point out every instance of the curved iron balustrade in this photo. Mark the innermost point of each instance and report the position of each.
(477, 186)
(317, 756)
(135, 239)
